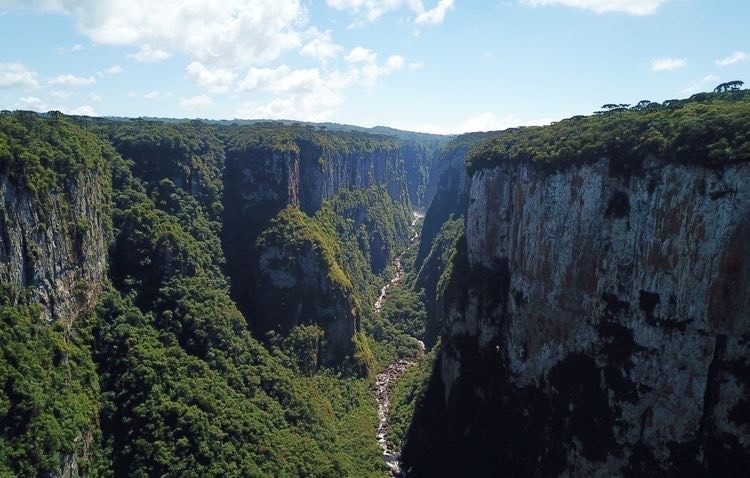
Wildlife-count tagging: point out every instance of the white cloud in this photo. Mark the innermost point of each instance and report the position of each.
(84, 110)
(309, 94)
(734, 58)
(667, 64)
(631, 7)
(149, 54)
(361, 55)
(72, 80)
(490, 122)
(31, 103)
(706, 83)
(112, 70)
(16, 75)
(394, 63)
(75, 48)
(481, 122)
(217, 80)
(235, 45)
(94, 98)
(196, 102)
(416, 66)
(366, 70)
(434, 16)
(366, 10)
(311, 107)
(281, 80)
(321, 47)
(224, 33)
(370, 10)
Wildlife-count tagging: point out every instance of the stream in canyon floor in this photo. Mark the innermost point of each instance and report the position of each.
(385, 380)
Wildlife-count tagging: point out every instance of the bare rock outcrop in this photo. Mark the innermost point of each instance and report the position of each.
(596, 324)
(55, 243)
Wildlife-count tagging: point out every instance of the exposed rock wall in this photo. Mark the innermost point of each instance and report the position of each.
(421, 167)
(304, 289)
(324, 175)
(450, 198)
(259, 183)
(596, 325)
(55, 244)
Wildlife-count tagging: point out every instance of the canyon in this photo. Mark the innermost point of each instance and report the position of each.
(257, 300)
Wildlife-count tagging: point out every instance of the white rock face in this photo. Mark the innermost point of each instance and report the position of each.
(646, 278)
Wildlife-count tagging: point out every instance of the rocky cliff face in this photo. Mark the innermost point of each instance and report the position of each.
(305, 175)
(450, 198)
(55, 224)
(323, 175)
(439, 232)
(299, 281)
(421, 162)
(305, 170)
(596, 324)
(55, 243)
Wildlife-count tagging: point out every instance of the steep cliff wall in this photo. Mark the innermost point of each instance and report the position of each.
(439, 231)
(325, 173)
(451, 196)
(271, 167)
(361, 179)
(300, 281)
(55, 245)
(55, 204)
(421, 167)
(597, 319)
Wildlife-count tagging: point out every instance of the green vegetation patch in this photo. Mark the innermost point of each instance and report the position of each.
(44, 153)
(710, 129)
(282, 138)
(49, 395)
(408, 391)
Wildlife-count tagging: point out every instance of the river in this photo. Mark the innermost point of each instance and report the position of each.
(385, 380)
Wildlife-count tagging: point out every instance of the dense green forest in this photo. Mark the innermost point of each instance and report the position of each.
(37, 426)
(710, 128)
(236, 333)
(165, 377)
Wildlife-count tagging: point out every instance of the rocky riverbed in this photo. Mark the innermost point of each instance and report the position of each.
(385, 380)
(383, 387)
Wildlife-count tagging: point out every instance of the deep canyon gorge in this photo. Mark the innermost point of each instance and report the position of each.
(218, 298)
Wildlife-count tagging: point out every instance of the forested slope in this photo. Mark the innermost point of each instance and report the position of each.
(123, 351)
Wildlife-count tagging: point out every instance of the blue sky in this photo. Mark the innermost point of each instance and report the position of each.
(429, 65)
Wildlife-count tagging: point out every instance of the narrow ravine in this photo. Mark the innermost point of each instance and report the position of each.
(398, 266)
(384, 383)
(396, 279)
(385, 380)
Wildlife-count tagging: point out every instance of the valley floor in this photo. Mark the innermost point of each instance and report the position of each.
(385, 381)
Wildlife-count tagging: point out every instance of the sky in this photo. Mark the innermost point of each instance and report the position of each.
(442, 66)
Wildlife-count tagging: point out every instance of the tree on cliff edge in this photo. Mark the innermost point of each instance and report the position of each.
(729, 86)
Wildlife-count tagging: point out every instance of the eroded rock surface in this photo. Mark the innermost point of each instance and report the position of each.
(596, 325)
(55, 244)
